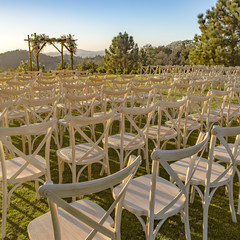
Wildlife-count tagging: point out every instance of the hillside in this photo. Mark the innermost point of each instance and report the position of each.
(12, 59)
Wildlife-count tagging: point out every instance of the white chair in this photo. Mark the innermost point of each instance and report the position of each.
(132, 137)
(20, 167)
(88, 151)
(168, 127)
(156, 198)
(211, 175)
(222, 154)
(82, 219)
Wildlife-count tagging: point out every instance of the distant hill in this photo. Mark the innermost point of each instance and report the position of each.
(79, 53)
(12, 59)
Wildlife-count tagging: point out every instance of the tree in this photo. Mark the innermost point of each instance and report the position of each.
(122, 56)
(88, 64)
(24, 67)
(219, 43)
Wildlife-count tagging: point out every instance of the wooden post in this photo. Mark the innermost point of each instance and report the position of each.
(37, 60)
(62, 55)
(30, 54)
(71, 58)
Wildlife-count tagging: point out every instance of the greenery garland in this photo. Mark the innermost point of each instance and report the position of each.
(39, 41)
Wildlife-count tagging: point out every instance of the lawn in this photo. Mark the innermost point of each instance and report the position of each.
(25, 206)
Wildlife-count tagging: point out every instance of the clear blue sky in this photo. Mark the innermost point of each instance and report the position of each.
(95, 22)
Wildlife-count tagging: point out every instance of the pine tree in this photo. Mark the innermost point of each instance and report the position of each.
(122, 56)
(219, 43)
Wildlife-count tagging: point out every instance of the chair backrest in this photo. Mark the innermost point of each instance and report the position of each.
(162, 92)
(56, 192)
(115, 98)
(4, 113)
(134, 116)
(83, 105)
(163, 157)
(43, 91)
(141, 96)
(31, 135)
(40, 110)
(170, 114)
(200, 107)
(221, 133)
(79, 125)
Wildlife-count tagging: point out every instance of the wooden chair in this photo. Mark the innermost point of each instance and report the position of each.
(225, 151)
(211, 175)
(4, 113)
(232, 109)
(21, 167)
(82, 219)
(199, 110)
(88, 150)
(77, 105)
(221, 100)
(168, 126)
(132, 135)
(41, 110)
(156, 198)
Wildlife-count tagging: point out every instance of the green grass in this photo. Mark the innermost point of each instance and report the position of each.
(25, 206)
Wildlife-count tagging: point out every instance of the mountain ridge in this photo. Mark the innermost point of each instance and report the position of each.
(12, 59)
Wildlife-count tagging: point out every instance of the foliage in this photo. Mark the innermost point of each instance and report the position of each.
(219, 42)
(65, 66)
(122, 56)
(89, 65)
(38, 42)
(24, 67)
(70, 43)
(175, 53)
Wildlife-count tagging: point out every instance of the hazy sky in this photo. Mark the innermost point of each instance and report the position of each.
(95, 22)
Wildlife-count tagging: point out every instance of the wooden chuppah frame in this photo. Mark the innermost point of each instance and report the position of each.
(38, 42)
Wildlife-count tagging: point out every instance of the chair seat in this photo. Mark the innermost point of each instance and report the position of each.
(164, 134)
(29, 173)
(199, 177)
(114, 141)
(137, 196)
(213, 117)
(117, 116)
(66, 154)
(71, 228)
(234, 111)
(190, 125)
(220, 153)
(41, 109)
(16, 114)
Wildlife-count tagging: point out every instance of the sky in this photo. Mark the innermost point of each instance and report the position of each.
(94, 23)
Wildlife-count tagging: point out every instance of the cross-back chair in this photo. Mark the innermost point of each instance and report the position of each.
(22, 167)
(211, 175)
(82, 219)
(168, 123)
(132, 133)
(156, 198)
(85, 149)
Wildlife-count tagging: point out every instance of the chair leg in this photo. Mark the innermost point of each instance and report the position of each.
(238, 173)
(231, 202)
(36, 189)
(186, 221)
(205, 217)
(60, 170)
(89, 172)
(149, 228)
(192, 195)
(4, 210)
